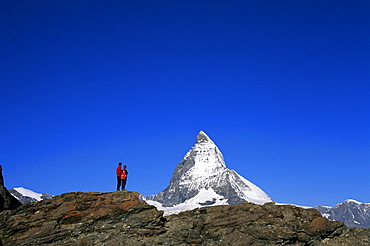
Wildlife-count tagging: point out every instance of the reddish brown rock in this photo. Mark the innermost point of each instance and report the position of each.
(66, 217)
(120, 218)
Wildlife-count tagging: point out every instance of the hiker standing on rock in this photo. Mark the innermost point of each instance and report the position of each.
(118, 173)
(124, 174)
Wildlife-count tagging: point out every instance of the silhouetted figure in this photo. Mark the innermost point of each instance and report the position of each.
(118, 174)
(124, 174)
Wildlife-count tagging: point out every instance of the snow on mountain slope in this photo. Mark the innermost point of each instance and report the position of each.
(202, 179)
(351, 212)
(201, 199)
(29, 193)
(247, 190)
(25, 195)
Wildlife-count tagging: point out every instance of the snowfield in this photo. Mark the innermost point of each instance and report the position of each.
(29, 193)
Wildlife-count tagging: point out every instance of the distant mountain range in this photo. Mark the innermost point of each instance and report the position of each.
(25, 195)
(351, 212)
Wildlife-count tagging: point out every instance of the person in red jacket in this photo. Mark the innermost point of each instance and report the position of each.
(118, 173)
(124, 174)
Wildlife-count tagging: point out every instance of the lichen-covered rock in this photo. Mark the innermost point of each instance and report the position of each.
(120, 218)
(78, 218)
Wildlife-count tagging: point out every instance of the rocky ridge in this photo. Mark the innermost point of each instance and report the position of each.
(7, 201)
(120, 218)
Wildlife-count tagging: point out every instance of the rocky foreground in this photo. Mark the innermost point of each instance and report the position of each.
(120, 218)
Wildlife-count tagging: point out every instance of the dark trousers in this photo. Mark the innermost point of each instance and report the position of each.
(119, 181)
(123, 183)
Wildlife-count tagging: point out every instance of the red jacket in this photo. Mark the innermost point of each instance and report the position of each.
(124, 174)
(118, 171)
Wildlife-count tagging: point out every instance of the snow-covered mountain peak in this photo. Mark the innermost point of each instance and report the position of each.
(205, 152)
(29, 193)
(207, 161)
(202, 137)
(352, 201)
(353, 213)
(25, 195)
(203, 169)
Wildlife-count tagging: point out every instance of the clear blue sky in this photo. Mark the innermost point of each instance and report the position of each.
(282, 87)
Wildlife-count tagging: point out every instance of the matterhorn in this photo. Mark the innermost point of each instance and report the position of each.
(202, 179)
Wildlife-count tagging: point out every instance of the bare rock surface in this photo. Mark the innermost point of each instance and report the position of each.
(120, 218)
(7, 201)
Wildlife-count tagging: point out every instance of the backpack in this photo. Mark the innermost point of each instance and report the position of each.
(123, 174)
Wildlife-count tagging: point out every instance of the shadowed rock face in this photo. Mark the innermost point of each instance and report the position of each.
(1, 176)
(120, 218)
(7, 201)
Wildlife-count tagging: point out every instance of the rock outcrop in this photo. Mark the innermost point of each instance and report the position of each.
(7, 201)
(120, 218)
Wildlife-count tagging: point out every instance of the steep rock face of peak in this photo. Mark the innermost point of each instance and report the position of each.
(7, 201)
(1, 176)
(351, 212)
(202, 138)
(204, 168)
(120, 218)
